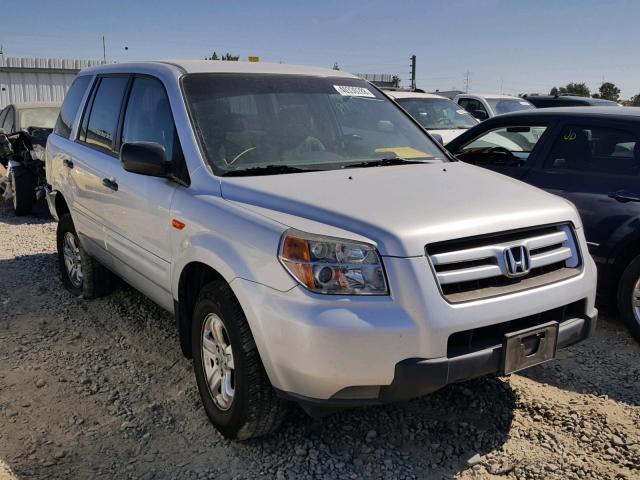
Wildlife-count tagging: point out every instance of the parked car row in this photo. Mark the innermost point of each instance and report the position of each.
(316, 245)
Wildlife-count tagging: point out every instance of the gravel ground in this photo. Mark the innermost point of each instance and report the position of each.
(99, 389)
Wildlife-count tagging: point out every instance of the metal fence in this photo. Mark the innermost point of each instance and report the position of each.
(37, 79)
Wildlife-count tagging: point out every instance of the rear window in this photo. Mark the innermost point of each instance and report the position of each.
(71, 105)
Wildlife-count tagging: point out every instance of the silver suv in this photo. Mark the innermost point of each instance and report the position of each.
(314, 243)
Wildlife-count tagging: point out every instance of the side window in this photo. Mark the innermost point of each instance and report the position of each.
(477, 105)
(9, 121)
(70, 106)
(464, 103)
(148, 116)
(504, 146)
(3, 114)
(596, 149)
(103, 118)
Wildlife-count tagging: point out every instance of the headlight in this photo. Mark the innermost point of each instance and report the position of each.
(333, 265)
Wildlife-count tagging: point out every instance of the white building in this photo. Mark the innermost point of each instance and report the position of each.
(37, 79)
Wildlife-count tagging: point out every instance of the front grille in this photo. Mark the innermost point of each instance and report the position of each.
(474, 340)
(478, 267)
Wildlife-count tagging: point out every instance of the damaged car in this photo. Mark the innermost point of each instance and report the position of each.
(24, 129)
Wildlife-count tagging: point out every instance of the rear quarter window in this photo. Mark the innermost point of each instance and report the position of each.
(70, 106)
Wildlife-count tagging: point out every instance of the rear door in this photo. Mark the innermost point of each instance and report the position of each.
(92, 157)
(137, 218)
(596, 165)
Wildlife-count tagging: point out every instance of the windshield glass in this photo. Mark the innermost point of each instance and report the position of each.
(258, 120)
(506, 105)
(437, 113)
(43, 117)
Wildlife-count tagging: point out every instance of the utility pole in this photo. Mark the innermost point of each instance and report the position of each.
(413, 72)
(467, 81)
(104, 51)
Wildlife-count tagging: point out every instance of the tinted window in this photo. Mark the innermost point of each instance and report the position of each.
(148, 117)
(70, 106)
(471, 105)
(596, 150)
(251, 121)
(103, 118)
(504, 146)
(437, 113)
(506, 105)
(8, 124)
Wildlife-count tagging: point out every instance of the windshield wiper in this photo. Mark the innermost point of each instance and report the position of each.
(382, 162)
(267, 170)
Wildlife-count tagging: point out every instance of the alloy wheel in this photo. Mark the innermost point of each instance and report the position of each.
(217, 359)
(72, 259)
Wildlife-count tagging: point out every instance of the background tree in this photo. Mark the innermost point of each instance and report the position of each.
(226, 56)
(581, 89)
(635, 101)
(609, 91)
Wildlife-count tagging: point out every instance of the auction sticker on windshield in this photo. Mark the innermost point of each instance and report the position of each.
(349, 91)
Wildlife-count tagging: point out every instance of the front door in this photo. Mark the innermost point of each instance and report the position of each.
(139, 218)
(597, 167)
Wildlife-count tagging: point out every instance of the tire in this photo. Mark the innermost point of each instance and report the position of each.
(629, 297)
(94, 279)
(254, 408)
(23, 193)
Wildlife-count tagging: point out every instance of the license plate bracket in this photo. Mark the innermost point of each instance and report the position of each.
(528, 347)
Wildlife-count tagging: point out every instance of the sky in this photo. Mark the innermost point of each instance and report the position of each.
(509, 46)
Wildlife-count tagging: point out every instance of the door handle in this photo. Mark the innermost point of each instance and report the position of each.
(110, 183)
(67, 163)
(624, 197)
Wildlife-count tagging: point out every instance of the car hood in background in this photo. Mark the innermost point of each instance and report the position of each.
(400, 208)
(448, 134)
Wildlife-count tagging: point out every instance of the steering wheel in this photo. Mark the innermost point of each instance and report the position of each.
(311, 144)
(510, 159)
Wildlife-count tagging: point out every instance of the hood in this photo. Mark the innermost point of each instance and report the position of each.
(447, 134)
(400, 208)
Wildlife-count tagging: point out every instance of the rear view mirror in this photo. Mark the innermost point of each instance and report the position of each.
(480, 114)
(144, 158)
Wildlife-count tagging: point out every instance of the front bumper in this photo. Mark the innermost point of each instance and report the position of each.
(341, 347)
(416, 377)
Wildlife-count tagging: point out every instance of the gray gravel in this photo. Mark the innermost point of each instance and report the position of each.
(99, 389)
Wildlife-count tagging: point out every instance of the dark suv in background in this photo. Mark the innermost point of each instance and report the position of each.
(550, 101)
(590, 156)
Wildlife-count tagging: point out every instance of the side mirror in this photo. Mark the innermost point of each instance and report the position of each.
(480, 114)
(144, 158)
(438, 138)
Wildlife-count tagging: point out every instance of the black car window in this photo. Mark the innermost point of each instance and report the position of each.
(3, 113)
(596, 149)
(9, 120)
(148, 116)
(504, 146)
(103, 118)
(70, 106)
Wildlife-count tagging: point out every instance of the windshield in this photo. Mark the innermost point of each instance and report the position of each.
(506, 105)
(43, 117)
(437, 113)
(260, 120)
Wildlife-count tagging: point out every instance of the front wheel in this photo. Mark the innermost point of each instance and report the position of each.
(235, 390)
(629, 297)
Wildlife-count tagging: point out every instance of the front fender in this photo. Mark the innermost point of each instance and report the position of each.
(231, 259)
